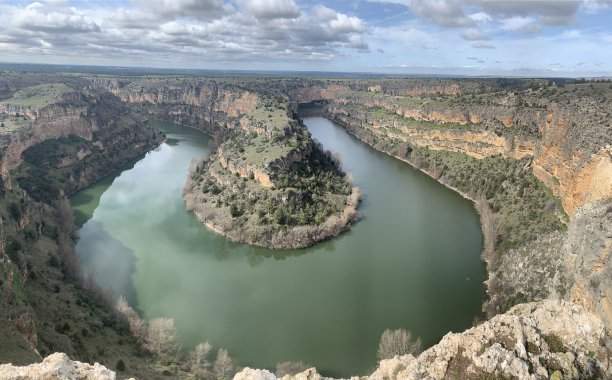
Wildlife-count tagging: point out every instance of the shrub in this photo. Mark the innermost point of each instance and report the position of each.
(397, 342)
(554, 343)
(120, 365)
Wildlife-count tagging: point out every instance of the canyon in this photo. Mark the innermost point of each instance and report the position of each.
(549, 289)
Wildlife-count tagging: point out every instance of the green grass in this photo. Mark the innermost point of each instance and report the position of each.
(39, 95)
(261, 150)
(12, 123)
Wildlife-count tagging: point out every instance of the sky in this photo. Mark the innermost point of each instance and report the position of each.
(454, 37)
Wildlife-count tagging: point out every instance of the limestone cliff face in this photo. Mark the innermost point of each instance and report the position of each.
(573, 164)
(208, 94)
(475, 142)
(243, 169)
(49, 122)
(577, 176)
(99, 118)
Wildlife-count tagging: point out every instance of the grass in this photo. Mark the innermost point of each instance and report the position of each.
(260, 150)
(12, 123)
(39, 95)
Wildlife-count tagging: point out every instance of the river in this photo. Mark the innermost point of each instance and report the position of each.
(413, 261)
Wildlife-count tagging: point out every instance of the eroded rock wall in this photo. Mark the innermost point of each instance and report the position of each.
(570, 143)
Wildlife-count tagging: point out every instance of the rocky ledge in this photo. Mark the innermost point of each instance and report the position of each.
(549, 339)
(57, 366)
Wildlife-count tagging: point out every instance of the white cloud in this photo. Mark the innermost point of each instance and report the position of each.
(356, 42)
(473, 34)
(448, 13)
(323, 13)
(346, 24)
(516, 23)
(53, 17)
(480, 17)
(198, 9)
(271, 9)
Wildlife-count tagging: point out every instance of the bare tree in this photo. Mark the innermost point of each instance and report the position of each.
(137, 326)
(224, 365)
(199, 356)
(397, 342)
(161, 337)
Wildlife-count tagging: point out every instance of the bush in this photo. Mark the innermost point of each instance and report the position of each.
(554, 343)
(15, 211)
(120, 366)
(397, 342)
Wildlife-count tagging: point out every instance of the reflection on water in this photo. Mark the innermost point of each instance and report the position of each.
(112, 262)
(404, 264)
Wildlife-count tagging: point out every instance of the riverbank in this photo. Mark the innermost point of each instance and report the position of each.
(291, 238)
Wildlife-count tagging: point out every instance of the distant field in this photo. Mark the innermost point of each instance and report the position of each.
(39, 95)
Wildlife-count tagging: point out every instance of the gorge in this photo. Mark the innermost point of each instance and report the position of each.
(533, 155)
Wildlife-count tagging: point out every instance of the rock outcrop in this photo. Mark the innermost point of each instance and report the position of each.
(57, 366)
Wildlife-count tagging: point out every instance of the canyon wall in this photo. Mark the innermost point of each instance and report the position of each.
(565, 136)
(97, 117)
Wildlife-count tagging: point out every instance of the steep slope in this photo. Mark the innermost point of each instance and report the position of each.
(57, 144)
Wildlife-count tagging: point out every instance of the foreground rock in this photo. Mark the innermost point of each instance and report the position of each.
(532, 341)
(57, 366)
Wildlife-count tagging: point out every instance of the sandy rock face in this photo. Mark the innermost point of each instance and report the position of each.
(57, 366)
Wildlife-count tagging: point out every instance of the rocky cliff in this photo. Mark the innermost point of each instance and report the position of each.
(108, 130)
(574, 265)
(567, 135)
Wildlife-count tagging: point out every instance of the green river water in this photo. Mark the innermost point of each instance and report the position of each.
(413, 261)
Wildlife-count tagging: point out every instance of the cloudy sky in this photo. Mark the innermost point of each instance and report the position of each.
(520, 37)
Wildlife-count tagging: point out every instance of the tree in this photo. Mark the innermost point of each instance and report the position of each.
(161, 337)
(224, 366)
(397, 342)
(200, 354)
(136, 325)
